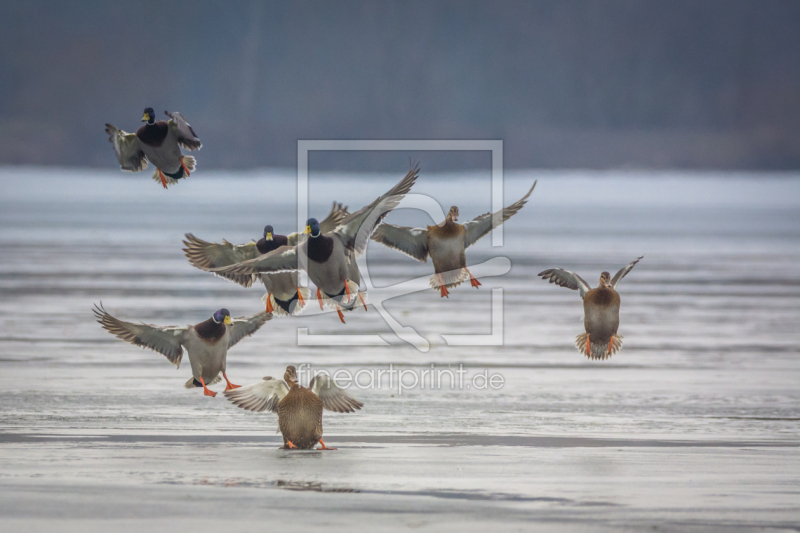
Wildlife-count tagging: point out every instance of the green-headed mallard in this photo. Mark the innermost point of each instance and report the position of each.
(600, 310)
(206, 343)
(299, 408)
(446, 243)
(283, 297)
(329, 257)
(158, 142)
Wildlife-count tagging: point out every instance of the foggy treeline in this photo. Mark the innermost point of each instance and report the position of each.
(688, 84)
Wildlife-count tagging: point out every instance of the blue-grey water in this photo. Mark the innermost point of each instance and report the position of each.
(694, 425)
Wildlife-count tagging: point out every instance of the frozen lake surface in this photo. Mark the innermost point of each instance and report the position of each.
(694, 425)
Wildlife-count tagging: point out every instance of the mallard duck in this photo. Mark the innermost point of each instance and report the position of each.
(158, 142)
(600, 310)
(328, 256)
(206, 343)
(283, 297)
(446, 243)
(299, 408)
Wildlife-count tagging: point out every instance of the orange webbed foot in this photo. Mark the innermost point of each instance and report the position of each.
(230, 385)
(361, 297)
(163, 178)
(442, 289)
(206, 391)
(300, 297)
(290, 445)
(186, 170)
(472, 281)
(319, 299)
(341, 316)
(610, 345)
(323, 447)
(269, 309)
(588, 346)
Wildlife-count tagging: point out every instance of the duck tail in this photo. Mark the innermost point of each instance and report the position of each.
(170, 179)
(599, 350)
(451, 278)
(190, 162)
(192, 383)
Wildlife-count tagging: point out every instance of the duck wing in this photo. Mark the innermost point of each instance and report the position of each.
(565, 278)
(166, 341)
(331, 222)
(283, 259)
(624, 271)
(207, 255)
(356, 229)
(262, 396)
(242, 327)
(182, 131)
(480, 226)
(333, 398)
(127, 148)
(411, 241)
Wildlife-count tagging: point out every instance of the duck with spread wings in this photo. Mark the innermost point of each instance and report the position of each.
(158, 142)
(600, 309)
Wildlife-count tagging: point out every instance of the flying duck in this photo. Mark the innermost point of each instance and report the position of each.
(446, 243)
(299, 408)
(206, 343)
(158, 142)
(600, 310)
(283, 297)
(328, 256)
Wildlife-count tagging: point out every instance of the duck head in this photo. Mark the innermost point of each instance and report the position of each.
(452, 214)
(149, 115)
(223, 315)
(605, 280)
(290, 376)
(267, 233)
(312, 227)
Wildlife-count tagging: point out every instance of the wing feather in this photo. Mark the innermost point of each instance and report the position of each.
(411, 241)
(624, 271)
(183, 132)
(480, 226)
(242, 327)
(333, 398)
(356, 229)
(166, 341)
(127, 148)
(284, 259)
(565, 278)
(207, 255)
(262, 396)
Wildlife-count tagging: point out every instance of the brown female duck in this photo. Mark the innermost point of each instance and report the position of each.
(600, 310)
(446, 243)
(299, 408)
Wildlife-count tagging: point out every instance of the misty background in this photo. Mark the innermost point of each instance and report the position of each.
(711, 84)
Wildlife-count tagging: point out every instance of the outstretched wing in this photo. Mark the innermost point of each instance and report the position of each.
(207, 255)
(331, 222)
(182, 131)
(356, 229)
(166, 341)
(262, 396)
(126, 146)
(333, 398)
(624, 271)
(284, 259)
(410, 241)
(480, 226)
(565, 278)
(242, 327)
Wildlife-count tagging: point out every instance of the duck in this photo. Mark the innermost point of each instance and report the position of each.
(600, 309)
(284, 296)
(299, 408)
(160, 143)
(446, 243)
(328, 257)
(206, 343)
